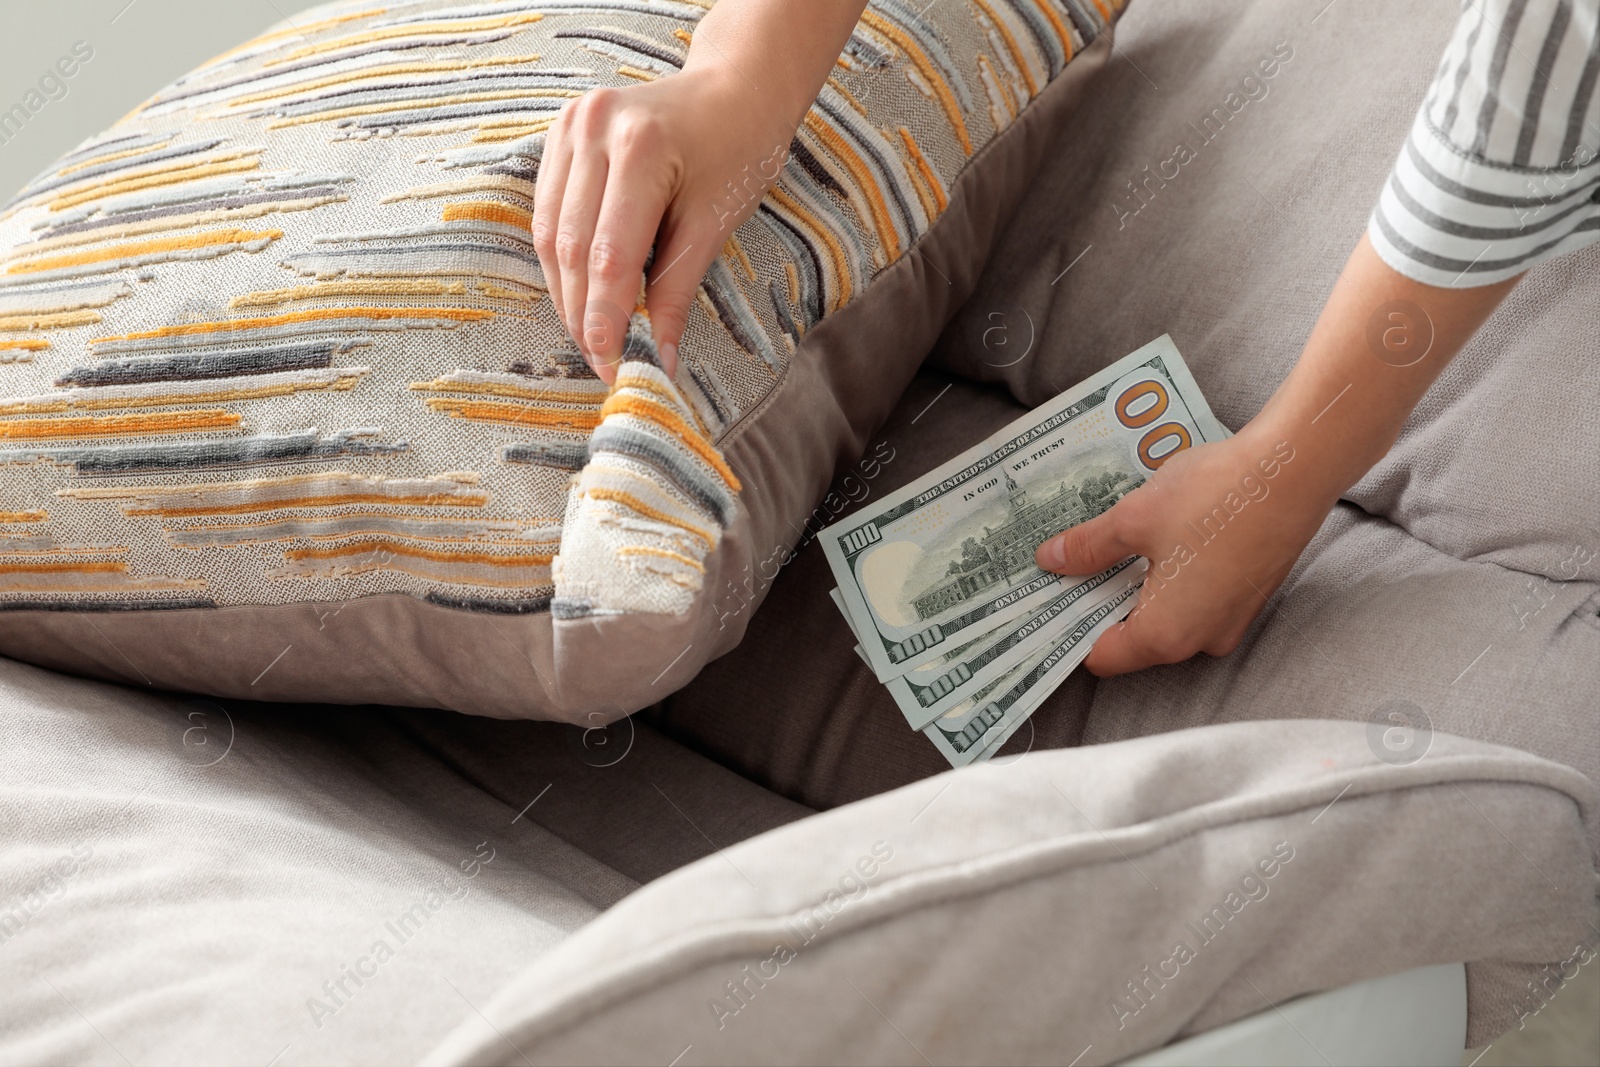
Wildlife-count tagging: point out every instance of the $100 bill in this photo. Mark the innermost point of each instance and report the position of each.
(975, 728)
(949, 558)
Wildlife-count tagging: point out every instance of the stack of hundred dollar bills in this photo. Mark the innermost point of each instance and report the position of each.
(938, 580)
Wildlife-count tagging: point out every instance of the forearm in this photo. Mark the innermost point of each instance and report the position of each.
(1379, 344)
(781, 51)
(1215, 562)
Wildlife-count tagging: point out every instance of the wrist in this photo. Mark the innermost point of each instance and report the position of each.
(710, 72)
(1297, 465)
(720, 95)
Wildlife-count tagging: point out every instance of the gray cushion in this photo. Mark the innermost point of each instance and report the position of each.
(187, 874)
(1367, 625)
(1462, 574)
(1006, 914)
(182, 878)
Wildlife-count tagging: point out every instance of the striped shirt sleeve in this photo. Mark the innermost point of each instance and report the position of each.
(1501, 169)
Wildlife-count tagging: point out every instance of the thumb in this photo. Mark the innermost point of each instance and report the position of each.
(1089, 547)
(674, 279)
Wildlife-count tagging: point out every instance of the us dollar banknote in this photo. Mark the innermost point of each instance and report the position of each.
(949, 558)
(924, 693)
(976, 727)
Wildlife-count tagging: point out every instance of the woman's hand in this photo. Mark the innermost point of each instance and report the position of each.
(1221, 525)
(675, 165)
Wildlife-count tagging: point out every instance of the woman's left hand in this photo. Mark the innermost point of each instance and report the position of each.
(1221, 524)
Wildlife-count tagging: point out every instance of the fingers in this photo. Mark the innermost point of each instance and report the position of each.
(1119, 651)
(1146, 638)
(580, 209)
(1165, 631)
(1139, 641)
(554, 165)
(1091, 547)
(1133, 645)
(629, 215)
(681, 261)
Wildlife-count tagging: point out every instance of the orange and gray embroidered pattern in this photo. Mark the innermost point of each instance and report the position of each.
(280, 335)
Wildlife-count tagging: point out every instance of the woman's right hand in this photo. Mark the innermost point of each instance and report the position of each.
(674, 164)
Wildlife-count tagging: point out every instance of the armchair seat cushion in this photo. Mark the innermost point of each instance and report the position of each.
(225, 882)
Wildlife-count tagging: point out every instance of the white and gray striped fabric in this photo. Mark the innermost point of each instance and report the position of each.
(1500, 170)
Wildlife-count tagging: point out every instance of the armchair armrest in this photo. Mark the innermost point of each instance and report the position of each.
(1075, 906)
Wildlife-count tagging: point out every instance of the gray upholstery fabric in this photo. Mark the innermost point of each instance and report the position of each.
(828, 732)
(999, 915)
(1360, 623)
(190, 882)
(180, 876)
(1461, 577)
(1371, 617)
(1235, 256)
(213, 901)
(1479, 534)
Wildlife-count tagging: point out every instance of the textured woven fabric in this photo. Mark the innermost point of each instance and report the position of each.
(344, 883)
(280, 336)
(1077, 906)
(1460, 577)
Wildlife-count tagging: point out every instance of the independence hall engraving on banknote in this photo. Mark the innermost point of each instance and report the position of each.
(1008, 548)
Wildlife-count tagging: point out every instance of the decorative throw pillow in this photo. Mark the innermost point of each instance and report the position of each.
(285, 412)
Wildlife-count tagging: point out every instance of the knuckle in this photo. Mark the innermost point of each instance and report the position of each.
(606, 260)
(1078, 543)
(1120, 525)
(637, 131)
(561, 129)
(667, 324)
(569, 250)
(593, 111)
(1067, 541)
(667, 314)
(544, 236)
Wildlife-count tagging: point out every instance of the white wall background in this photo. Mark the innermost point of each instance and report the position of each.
(137, 47)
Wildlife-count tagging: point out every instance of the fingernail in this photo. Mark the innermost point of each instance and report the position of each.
(669, 358)
(1050, 555)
